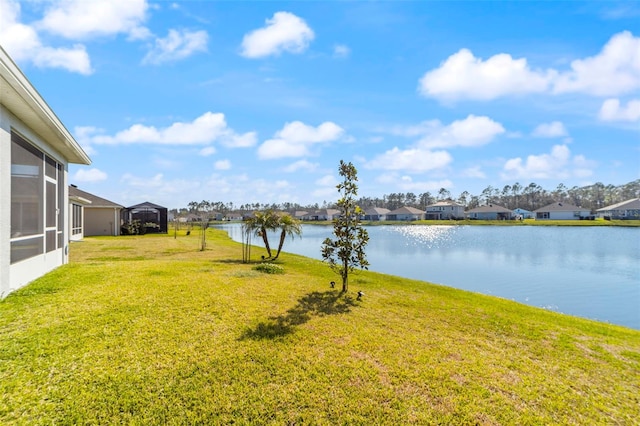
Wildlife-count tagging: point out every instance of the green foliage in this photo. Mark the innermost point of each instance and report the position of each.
(261, 223)
(288, 226)
(346, 252)
(269, 268)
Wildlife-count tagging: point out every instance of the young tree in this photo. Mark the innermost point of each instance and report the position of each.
(346, 251)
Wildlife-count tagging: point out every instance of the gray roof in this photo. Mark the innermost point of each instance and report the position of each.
(146, 205)
(406, 210)
(632, 204)
(445, 203)
(376, 210)
(95, 200)
(491, 208)
(560, 207)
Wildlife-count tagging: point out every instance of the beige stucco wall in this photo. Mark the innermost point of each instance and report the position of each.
(101, 221)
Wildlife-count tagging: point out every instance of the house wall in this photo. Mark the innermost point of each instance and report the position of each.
(408, 217)
(101, 221)
(569, 215)
(14, 276)
(485, 216)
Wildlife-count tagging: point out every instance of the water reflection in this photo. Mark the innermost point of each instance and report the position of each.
(586, 271)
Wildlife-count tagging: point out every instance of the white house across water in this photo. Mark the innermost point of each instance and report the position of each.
(35, 151)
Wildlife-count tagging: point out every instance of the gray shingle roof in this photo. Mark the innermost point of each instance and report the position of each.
(95, 200)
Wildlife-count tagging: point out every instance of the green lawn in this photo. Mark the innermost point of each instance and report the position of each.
(150, 330)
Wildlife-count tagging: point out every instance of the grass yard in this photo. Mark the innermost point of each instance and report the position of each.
(150, 330)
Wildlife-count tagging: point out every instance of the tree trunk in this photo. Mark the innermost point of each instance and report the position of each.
(345, 278)
(266, 242)
(283, 236)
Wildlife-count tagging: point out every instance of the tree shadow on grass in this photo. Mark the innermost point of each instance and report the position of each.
(312, 304)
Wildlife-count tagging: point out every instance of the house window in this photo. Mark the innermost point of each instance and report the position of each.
(36, 225)
(76, 219)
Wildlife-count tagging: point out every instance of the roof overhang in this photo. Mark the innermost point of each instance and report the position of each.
(19, 96)
(79, 200)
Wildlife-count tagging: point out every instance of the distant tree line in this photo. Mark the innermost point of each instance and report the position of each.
(530, 197)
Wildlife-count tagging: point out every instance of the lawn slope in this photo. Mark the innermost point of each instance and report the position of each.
(150, 330)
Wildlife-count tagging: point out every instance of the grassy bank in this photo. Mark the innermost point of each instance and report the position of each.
(150, 330)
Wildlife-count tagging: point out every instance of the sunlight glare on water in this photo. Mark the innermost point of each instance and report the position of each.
(429, 236)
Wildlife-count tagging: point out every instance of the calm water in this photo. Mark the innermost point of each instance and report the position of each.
(592, 272)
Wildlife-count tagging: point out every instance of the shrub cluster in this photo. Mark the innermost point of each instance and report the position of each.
(269, 268)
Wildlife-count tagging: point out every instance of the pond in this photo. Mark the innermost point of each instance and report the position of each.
(587, 271)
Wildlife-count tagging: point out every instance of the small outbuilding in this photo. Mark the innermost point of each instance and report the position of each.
(524, 214)
(152, 218)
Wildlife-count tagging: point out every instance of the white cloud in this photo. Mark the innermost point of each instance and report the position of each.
(469, 132)
(91, 175)
(222, 165)
(474, 172)
(472, 131)
(555, 129)
(177, 45)
(327, 180)
(24, 45)
(207, 151)
(558, 164)
(284, 32)
(410, 160)
(82, 19)
(613, 71)
(296, 139)
(300, 165)
(463, 76)
(612, 110)
(406, 183)
(244, 140)
(208, 128)
(341, 51)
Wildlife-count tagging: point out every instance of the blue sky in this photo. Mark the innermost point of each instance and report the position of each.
(249, 102)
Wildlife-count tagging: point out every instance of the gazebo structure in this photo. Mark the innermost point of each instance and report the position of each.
(152, 217)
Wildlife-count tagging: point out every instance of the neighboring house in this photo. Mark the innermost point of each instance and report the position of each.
(76, 216)
(151, 216)
(300, 214)
(629, 209)
(322, 214)
(376, 213)
(490, 212)
(101, 216)
(445, 209)
(35, 152)
(524, 214)
(405, 213)
(561, 211)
